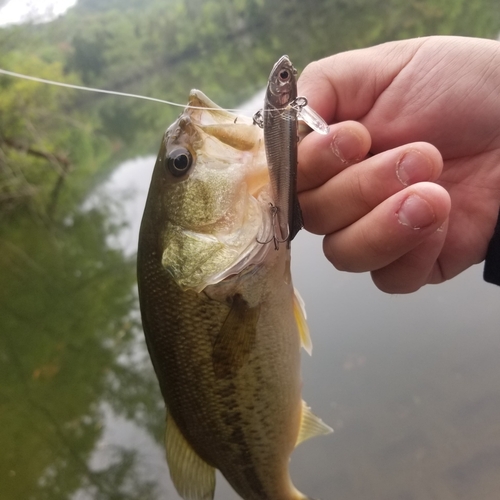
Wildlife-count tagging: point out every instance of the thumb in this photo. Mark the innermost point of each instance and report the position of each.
(345, 86)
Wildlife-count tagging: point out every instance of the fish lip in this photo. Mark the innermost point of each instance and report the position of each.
(207, 112)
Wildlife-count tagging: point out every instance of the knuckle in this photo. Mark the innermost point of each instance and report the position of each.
(341, 259)
(331, 254)
(360, 191)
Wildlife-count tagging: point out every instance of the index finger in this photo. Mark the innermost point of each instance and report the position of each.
(321, 157)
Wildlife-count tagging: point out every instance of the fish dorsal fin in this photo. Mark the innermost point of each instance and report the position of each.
(193, 478)
(299, 311)
(311, 425)
(235, 339)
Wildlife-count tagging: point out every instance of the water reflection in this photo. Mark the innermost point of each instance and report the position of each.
(410, 383)
(68, 323)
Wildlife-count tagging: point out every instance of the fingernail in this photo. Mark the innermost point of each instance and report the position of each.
(416, 213)
(346, 145)
(413, 167)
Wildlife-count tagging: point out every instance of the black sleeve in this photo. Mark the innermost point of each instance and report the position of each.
(491, 272)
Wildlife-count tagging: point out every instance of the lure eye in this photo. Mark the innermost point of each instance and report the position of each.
(179, 161)
(284, 75)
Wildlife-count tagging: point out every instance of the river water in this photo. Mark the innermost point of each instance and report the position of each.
(409, 383)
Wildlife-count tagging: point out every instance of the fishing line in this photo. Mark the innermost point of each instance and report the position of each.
(305, 113)
(101, 91)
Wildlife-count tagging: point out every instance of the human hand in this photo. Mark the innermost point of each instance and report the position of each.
(429, 111)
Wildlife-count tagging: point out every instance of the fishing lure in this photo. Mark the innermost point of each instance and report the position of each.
(279, 119)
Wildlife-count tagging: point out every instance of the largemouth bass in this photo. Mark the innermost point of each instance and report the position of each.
(222, 322)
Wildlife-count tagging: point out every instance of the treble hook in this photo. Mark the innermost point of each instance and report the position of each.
(274, 237)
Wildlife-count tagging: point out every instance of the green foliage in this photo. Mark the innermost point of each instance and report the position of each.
(41, 144)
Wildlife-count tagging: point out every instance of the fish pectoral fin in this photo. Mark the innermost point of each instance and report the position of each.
(235, 339)
(299, 311)
(193, 478)
(311, 425)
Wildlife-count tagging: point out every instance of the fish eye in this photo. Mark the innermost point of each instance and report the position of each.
(179, 161)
